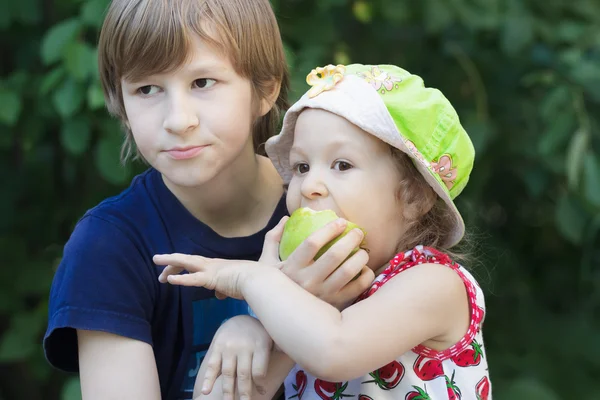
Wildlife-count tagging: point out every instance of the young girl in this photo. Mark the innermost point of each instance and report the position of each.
(381, 150)
(198, 84)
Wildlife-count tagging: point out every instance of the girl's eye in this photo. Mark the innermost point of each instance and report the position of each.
(148, 90)
(301, 168)
(204, 83)
(342, 165)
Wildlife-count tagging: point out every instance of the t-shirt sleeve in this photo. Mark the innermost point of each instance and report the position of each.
(103, 283)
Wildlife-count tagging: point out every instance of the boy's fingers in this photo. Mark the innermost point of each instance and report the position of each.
(186, 261)
(270, 253)
(228, 369)
(260, 365)
(220, 296)
(307, 250)
(244, 381)
(213, 369)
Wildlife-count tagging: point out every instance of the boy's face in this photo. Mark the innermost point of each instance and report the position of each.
(338, 166)
(195, 122)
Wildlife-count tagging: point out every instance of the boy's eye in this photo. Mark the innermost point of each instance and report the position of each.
(204, 83)
(301, 168)
(148, 90)
(342, 165)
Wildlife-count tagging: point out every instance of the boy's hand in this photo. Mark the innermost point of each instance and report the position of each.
(323, 278)
(239, 352)
(224, 276)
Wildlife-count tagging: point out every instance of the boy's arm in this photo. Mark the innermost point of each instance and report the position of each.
(114, 367)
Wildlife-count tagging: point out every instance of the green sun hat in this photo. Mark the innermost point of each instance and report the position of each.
(395, 106)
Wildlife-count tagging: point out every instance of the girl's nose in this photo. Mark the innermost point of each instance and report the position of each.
(313, 186)
(181, 117)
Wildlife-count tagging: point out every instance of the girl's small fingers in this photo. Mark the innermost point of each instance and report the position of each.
(307, 250)
(213, 370)
(337, 254)
(169, 270)
(356, 287)
(228, 369)
(346, 272)
(185, 261)
(197, 279)
(244, 379)
(270, 253)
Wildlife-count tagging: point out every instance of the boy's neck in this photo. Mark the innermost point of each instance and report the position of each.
(239, 202)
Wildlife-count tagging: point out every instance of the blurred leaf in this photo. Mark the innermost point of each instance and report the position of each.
(10, 107)
(28, 11)
(58, 38)
(517, 32)
(591, 174)
(75, 135)
(570, 31)
(71, 390)
(438, 16)
(51, 79)
(363, 11)
(527, 389)
(95, 96)
(108, 153)
(5, 17)
(587, 74)
(93, 12)
(575, 155)
(20, 340)
(570, 219)
(80, 60)
(68, 98)
(555, 101)
(555, 136)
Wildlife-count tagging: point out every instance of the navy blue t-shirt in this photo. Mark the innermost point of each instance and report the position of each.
(108, 282)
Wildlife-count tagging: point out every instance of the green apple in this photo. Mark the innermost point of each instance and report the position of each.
(302, 223)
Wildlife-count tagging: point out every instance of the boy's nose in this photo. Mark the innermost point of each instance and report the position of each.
(181, 117)
(313, 186)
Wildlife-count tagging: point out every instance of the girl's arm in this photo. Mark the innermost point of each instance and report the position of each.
(425, 302)
(114, 367)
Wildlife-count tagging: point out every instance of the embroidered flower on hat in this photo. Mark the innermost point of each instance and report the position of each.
(416, 153)
(443, 167)
(324, 78)
(378, 78)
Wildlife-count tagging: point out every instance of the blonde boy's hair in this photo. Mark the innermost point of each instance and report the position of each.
(140, 38)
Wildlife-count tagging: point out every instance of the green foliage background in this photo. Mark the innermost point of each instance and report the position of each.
(524, 75)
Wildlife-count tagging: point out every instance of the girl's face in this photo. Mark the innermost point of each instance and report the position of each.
(338, 166)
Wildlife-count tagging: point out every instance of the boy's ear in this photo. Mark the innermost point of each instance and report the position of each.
(269, 98)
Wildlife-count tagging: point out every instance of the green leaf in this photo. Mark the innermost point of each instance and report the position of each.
(575, 155)
(75, 135)
(570, 31)
(20, 340)
(58, 38)
(587, 74)
(93, 12)
(28, 11)
(95, 96)
(71, 390)
(555, 101)
(10, 107)
(591, 176)
(438, 16)
(51, 79)
(108, 162)
(526, 389)
(80, 60)
(517, 32)
(556, 135)
(570, 219)
(68, 98)
(363, 11)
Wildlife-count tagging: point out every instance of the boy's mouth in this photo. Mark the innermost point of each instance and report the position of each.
(184, 153)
